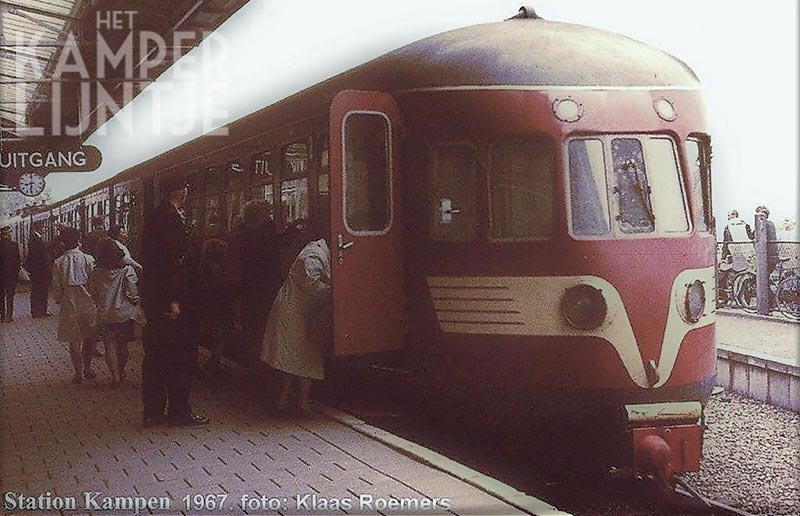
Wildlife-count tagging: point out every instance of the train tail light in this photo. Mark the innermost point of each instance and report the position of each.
(584, 307)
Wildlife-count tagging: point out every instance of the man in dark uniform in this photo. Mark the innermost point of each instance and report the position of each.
(170, 348)
(260, 273)
(38, 265)
(9, 273)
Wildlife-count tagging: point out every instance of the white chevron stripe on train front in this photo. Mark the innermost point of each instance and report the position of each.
(531, 306)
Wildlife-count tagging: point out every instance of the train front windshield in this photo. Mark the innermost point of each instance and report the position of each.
(626, 185)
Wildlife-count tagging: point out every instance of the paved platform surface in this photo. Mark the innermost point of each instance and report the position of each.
(772, 337)
(68, 439)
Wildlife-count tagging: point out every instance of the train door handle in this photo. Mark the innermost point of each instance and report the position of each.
(343, 246)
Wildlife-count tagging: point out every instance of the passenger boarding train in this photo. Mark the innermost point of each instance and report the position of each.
(520, 210)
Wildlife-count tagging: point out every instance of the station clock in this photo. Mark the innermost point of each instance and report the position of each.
(31, 184)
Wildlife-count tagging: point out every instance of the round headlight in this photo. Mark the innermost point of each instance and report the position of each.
(584, 307)
(695, 302)
(567, 110)
(665, 110)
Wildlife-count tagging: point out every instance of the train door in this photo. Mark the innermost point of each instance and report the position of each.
(366, 258)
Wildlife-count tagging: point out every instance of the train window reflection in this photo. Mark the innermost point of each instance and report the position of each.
(588, 188)
(263, 193)
(631, 186)
(260, 165)
(367, 173)
(294, 199)
(667, 191)
(295, 158)
(521, 190)
(453, 192)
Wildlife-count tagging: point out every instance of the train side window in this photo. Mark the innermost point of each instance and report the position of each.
(588, 188)
(452, 196)
(261, 172)
(631, 186)
(669, 201)
(294, 199)
(294, 192)
(192, 210)
(367, 173)
(521, 187)
(213, 217)
(323, 181)
(234, 204)
(698, 159)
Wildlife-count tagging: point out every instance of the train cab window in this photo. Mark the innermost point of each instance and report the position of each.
(669, 203)
(521, 186)
(631, 187)
(588, 188)
(294, 190)
(452, 197)
(643, 190)
(367, 173)
(698, 159)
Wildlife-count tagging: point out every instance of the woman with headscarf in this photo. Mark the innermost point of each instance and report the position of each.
(296, 333)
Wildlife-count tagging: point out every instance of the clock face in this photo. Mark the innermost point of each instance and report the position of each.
(31, 184)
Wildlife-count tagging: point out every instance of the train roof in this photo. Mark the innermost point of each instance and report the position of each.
(530, 52)
(520, 52)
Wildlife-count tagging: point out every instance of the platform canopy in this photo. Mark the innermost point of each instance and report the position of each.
(34, 35)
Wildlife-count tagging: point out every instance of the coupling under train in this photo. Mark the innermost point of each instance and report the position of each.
(521, 210)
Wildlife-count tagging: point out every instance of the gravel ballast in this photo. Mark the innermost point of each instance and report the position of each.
(751, 456)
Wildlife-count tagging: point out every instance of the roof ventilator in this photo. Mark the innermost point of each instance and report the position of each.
(526, 13)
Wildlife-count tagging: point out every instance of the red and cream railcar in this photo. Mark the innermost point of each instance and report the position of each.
(521, 210)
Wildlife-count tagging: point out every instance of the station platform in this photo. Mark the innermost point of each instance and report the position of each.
(67, 440)
(773, 336)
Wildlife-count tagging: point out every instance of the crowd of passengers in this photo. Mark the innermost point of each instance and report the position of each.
(232, 295)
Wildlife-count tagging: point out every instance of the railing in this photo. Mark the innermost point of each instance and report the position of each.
(743, 266)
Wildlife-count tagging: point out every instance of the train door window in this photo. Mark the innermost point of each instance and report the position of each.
(697, 158)
(367, 173)
(521, 186)
(588, 188)
(635, 209)
(669, 202)
(294, 190)
(452, 197)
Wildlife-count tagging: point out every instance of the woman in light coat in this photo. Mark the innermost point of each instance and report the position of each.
(78, 314)
(296, 333)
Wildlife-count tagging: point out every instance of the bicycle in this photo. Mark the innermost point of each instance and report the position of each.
(787, 295)
(736, 278)
(784, 291)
